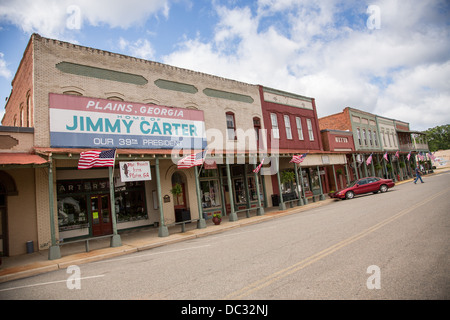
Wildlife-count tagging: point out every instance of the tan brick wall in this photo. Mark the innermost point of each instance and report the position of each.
(49, 79)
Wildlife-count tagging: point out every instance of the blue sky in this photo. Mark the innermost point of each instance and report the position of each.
(387, 57)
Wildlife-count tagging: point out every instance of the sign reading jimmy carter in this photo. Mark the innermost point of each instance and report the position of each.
(89, 122)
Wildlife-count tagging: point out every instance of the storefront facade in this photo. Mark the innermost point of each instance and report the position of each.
(84, 99)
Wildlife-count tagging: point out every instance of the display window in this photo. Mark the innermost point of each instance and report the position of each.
(209, 188)
(79, 207)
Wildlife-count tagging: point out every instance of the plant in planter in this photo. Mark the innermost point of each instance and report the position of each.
(217, 218)
(176, 191)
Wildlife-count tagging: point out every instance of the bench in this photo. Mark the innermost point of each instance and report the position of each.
(182, 223)
(86, 240)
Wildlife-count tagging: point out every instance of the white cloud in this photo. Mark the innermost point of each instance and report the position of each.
(4, 71)
(53, 18)
(140, 48)
(324, 50)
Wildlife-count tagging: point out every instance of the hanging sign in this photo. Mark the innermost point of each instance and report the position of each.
(85, 122)
(135, 171)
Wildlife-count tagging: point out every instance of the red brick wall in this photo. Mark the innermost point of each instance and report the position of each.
(337, 121)
(22, 93)
(280, 110)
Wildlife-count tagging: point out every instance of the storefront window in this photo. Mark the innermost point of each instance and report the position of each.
(130, 202)
(72, 212)
(239, 190)
(210, 193)
(73, 195)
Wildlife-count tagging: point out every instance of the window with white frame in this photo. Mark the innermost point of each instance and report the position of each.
(287, 125)
(274, 121)
(231, 126)
(310, 129)
(298, 121)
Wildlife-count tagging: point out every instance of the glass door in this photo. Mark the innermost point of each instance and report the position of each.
(101, 215)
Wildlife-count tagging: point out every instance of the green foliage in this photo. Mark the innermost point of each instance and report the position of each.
(177, 189)
(438, 138)
(287, 176)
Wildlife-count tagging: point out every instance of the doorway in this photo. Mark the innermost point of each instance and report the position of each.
(101, 215)
(3, 227)
(182, 212)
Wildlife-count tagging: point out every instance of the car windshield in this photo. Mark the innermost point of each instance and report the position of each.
(352, 184)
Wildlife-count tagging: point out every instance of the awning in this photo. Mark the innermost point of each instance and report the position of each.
(21, 159)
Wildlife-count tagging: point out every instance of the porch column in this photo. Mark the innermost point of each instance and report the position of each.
(365, 167)
(115, 239)
(305, 201)
(260, 209)
(233, 215)
(163, 231)
(201, 223)
(385, 168)
(347, 174)
(247, 192)
(355, 167)
(281, 205)
(54, 251)
(321, 197)
(334, 175)
(300, 201)
(222, 192)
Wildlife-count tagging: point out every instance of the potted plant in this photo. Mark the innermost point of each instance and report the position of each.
(217, 218)
(176, 191)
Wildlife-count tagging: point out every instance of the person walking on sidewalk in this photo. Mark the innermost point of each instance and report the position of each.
(418, 175)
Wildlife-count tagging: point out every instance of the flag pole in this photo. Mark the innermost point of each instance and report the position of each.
(115, 239)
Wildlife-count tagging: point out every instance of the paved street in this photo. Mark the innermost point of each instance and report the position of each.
(384, 246)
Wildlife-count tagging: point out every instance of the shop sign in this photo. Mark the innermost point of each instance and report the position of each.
(89, 122)
(135, 171)
(79, 186)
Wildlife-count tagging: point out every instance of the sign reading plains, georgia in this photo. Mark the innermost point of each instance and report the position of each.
(89, 122)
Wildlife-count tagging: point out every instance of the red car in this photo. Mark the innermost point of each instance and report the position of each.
(364, 185)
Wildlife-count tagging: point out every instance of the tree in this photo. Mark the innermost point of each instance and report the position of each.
(438, 138)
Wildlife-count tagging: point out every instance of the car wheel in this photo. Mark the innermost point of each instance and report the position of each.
(383, 188)
(349, 195)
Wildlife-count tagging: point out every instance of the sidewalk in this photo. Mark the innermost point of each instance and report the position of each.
(27, 265)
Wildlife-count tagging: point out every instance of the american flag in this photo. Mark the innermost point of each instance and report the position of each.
(408, 156)
(195, 159)
(298, 159)
(256, 170)
(369, 160)
(386, 157)
(397, 155)
(96, 158)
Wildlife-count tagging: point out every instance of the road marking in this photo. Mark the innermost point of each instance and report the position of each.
(151, 254)
(47, 283)
(231, 234)
(266, 281)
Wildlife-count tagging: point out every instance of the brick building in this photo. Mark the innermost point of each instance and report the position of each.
(78, 98)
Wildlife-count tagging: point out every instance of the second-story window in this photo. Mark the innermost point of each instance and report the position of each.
(257, 126)
(358, 132)
(298, 122)
(287, 124)
(364, 137)
(310, 129)
(274, 121)
(231, 126)
(375, 138)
